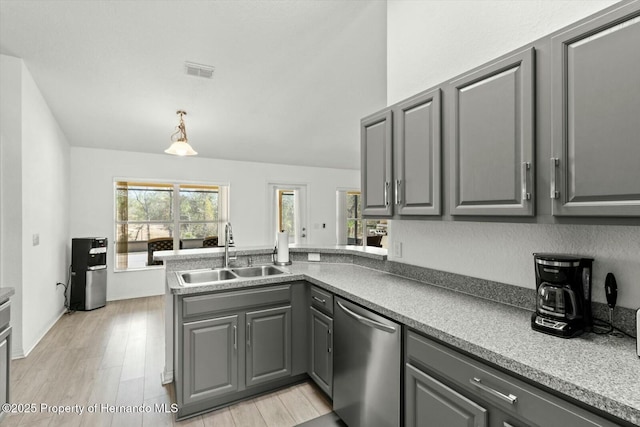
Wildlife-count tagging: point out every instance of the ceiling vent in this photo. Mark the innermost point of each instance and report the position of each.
(198, 70)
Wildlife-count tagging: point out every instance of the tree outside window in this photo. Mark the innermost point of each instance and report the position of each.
(357, 227)
(145, 211)
(286, 212)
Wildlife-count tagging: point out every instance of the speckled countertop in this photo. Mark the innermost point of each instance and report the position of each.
(601, 371)
(5, 293)
(207, 253)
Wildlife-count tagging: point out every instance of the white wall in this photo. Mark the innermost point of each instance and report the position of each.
(432, 41)
(92, 200)
(429, 42)
(45, 211)
(35, 200)
(11, 170)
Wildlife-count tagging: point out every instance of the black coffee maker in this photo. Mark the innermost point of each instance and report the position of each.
(563, 294)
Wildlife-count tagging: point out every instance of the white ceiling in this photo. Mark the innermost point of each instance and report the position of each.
(292, 78)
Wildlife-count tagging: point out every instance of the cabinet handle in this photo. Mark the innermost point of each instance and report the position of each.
(510, 398)
(235, 337)
(328, 341)
(398, 198)
(248, 334)
(320, 300)
(386, 193)
(525, 180)
(554, 164)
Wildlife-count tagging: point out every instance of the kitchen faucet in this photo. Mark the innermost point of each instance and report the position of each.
(228, 240)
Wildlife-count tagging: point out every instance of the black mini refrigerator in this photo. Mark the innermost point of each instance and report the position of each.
(88, 273)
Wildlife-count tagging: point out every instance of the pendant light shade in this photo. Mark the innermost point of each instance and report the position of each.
(179, 143)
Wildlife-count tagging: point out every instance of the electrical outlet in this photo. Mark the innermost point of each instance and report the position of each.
(397, 249)
(36, 239)
(313, 257)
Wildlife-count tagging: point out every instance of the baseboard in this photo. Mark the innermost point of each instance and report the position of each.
(23, 354)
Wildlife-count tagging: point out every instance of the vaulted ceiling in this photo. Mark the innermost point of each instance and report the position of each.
(292, 78)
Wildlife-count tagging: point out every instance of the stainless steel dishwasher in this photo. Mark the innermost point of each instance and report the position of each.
(367, 369)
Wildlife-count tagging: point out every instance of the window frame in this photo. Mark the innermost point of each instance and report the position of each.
(223, 211)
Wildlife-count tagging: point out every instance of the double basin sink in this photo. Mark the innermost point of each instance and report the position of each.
(203, 277)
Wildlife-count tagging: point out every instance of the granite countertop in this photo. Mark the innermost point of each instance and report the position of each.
(208, 253)
(602, 371)
(5, 293)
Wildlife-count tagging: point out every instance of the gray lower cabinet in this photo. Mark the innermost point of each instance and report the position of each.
(321, 361)
(5, 354)
(428, 402)
(492, 138)
(235, 344)
(445, 387)
(376, 133)
(210, 351)
(268, 345)
(596, 106)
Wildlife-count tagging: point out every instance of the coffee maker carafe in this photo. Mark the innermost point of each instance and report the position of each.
(563, 294)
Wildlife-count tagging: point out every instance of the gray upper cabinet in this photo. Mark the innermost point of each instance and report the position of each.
(595, 164)
(210, 358)
(268, 345)
(418, 144)
(376, 164)
(492, 138)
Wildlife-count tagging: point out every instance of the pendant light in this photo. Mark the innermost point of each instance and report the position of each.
(179, 143)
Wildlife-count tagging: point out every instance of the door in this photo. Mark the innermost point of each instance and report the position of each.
(288, 212)
(376, 163)
(268, 345)
(596, 106)
(210, 358)
(418, 142)
(492, 131)
(428, 402)
(321, 364)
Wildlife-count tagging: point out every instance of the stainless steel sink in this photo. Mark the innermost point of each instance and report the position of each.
(258, 271)
(203, 277)
(196, 277)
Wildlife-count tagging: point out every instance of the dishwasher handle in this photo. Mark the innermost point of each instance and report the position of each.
(366, 320)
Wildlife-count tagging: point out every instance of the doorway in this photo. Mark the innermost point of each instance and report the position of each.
(288, 212)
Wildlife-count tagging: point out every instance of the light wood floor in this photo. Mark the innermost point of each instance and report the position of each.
(114, 355)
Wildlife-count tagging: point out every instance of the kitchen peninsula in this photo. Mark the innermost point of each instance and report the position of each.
(599, 373)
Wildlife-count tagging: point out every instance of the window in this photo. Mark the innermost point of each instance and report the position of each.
(161, 216)
(354, 218)
(286, 213)
(352, 227)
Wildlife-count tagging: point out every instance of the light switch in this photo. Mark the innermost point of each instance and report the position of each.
(36, 239)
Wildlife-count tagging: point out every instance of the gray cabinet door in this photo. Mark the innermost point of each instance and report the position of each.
(376, 163)
(492, 138)
(428, 402)
(596, 117)
(268, 345)
(210, 361)
(5, 366)
(321, 363)
(418, 143)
